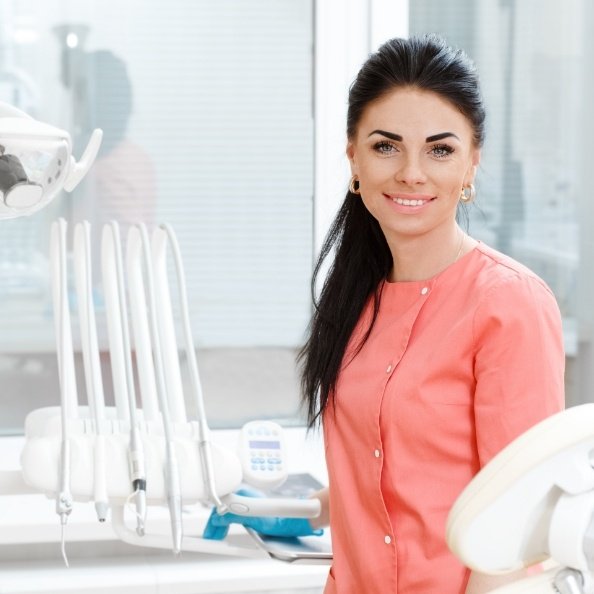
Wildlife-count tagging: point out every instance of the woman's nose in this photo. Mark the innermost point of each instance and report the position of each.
(410, 171)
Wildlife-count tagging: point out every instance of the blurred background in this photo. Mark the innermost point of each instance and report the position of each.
(226, 119)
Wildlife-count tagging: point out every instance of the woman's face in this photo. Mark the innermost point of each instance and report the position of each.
(412, 154)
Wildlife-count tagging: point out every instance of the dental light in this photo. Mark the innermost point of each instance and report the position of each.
(36, 162)
(532, 502)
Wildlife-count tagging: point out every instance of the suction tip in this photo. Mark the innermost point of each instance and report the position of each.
(101, 508)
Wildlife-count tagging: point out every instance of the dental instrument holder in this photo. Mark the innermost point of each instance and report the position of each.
(533, 501)
(211, 473)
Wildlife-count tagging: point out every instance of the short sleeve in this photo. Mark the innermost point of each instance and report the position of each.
(519, 361)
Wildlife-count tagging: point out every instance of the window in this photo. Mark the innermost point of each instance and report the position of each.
(533, 188)
(207, 113)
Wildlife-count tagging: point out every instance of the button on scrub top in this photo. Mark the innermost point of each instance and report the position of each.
(454, 369)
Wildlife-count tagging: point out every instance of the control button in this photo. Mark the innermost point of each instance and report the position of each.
(424, 291)
(377, 453)
(389, 368)
(387, 539)
(262, 467)
(254, 467)
(270, 467)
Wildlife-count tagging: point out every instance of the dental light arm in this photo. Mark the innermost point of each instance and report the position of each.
(36, 162)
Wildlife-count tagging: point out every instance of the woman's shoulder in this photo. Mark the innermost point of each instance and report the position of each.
(504, 286)
(493, 269)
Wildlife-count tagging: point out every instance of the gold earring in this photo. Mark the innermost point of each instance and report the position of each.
(469, 197)
(354, 185)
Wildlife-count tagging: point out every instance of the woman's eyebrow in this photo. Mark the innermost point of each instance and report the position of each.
(398, 138)
(440, 136)
(390, 135)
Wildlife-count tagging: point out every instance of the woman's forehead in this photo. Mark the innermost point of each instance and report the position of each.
(414, 112)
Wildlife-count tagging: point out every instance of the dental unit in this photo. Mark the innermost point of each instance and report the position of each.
(165, 437)
(112, 455)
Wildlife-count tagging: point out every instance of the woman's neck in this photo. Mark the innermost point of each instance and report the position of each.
(422, 257)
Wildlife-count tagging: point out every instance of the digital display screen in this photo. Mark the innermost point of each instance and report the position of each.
(270, 445)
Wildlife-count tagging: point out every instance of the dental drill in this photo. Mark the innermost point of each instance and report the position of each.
(66, 373)
(162, 236)
(172, 478)
(115, 293)
(92, 364)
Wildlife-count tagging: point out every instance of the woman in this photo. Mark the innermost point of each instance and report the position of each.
(428, 351)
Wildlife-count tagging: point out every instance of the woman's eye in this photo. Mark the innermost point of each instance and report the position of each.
(384, 148)
(441, 150)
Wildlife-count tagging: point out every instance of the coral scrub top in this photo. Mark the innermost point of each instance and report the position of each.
(454, 369)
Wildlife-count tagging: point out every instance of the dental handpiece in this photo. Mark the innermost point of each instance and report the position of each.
(166, 235)
(84, 286)
(135, 451)
(172, 479)
(174, 501)
(64, 498)
(138, 476)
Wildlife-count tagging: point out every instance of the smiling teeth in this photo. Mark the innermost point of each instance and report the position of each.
(408, 202)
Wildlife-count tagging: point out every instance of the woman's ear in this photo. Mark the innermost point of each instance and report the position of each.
(471, 173)
(350, 153)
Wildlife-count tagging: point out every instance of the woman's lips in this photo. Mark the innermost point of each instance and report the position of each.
(409, 202)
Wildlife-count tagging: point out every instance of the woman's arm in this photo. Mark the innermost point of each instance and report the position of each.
(324, 518)
(519, 363)
(519, 369)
